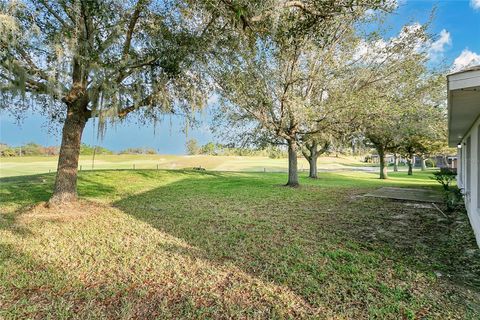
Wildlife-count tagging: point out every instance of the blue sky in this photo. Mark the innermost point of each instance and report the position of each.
(456, 26)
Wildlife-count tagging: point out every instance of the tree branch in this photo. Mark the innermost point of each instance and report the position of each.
(54, 13)
(131, 27)
(144, 102)
(32, 65)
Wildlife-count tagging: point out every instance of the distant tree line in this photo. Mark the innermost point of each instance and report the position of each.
(330, 147)
(216, 149)
(138, 151)
(86, 149)
(35, 149)
(29, 149)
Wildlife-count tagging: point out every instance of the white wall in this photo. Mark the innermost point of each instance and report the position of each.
(472, 197)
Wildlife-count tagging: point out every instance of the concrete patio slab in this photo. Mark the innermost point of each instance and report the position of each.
(420, 195)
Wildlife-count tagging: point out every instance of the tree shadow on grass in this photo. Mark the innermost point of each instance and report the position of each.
(108, 266)
(24, 282)
(424, 236)
(23, 191)
(20, 194)
(310, 239)
(34, 289)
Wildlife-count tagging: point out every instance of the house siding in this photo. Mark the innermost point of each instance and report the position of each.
(469, 175)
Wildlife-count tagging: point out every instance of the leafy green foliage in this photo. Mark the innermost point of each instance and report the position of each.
(445, 177)
(208, 149)
(34, 149)
(138, 151)
(119, 56)
(404, 111)
(192, 147)
(452, 194)
(29, 149)
(454, 199)
(85, 149)
(7, 151)
(430, 163)
(217, 149)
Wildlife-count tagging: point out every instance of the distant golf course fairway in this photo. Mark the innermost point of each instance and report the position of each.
(16, 166)
(184, 244)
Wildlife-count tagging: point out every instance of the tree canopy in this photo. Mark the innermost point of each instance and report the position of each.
(288, 72)
(79, 59)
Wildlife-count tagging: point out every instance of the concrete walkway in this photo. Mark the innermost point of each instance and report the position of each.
(420, 195)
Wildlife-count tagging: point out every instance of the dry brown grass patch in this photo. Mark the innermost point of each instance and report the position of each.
(79, 209)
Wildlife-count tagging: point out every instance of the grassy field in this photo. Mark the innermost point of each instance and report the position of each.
(150, 244)
(16, 166)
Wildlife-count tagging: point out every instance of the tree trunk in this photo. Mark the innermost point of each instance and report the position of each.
(410, 165)
(292, 164)
(395, 162)
(383, 167)
(65, 189)
(313, 168)
(313, 160)
(424, 164)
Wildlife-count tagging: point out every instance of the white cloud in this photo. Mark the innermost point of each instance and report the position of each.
(412, 34)
(388, 5)
(395, 3)
(443, 41)
(379, 49)
(466, 59)
(475, 4)
(370, 50)
(437, 48)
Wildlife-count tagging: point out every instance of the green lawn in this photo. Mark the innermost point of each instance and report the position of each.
(16, 166)
(151, 244)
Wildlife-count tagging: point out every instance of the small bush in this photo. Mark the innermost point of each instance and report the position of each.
(454, 199)
(452, 194)
(445, 177)
(429, 163)
(8, 152)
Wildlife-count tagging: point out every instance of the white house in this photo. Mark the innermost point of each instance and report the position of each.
(464, 133)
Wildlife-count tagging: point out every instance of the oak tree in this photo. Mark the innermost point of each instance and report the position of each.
(76, 60)
(278, 84)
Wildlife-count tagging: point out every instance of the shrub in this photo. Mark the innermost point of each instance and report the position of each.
(454, 199)
(429, 163)
(445, 177)
(452, 194)
(150, 151)
(32, 149)
(8, 152)
(209, 149)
